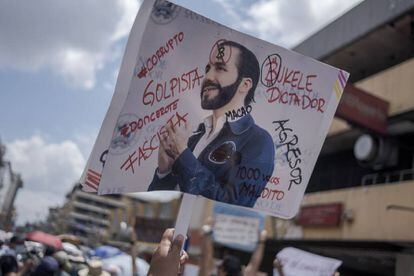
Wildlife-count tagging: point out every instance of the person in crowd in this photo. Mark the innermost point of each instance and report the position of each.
(134, 251)
(78, 263)
(94, 269)
(206, 261)
(168, 259)
(15, 246)
(48, 267)
(229, 266)
(253, 267)
(65, 268)
(3, 247)
(8, 265)
(278, 268)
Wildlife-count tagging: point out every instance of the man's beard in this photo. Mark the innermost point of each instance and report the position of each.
(223, 97)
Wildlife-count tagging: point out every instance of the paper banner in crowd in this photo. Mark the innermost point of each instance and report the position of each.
(191, 270)
(298, 262)
(270, 109)
(237, 228)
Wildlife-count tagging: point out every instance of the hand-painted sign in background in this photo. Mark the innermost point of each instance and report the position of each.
(213, 112)
(237, 228)
(298, 262)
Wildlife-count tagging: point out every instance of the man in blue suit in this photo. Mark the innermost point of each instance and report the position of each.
(229, 157)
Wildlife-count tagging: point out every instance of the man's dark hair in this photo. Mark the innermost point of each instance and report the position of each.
(247, 67)
(8, 264)
(231, 265)
(16, 240)
(49, 250)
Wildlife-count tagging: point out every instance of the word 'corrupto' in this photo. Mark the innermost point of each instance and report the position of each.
(160, 53)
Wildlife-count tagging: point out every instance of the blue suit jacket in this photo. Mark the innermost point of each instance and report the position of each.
(239, 179)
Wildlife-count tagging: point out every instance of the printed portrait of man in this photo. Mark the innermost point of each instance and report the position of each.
(213, 161)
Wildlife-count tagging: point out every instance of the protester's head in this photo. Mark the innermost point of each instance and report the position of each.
(229, 266)
(8, 265)
(16, 241)
(48, 266)
(49, 250)
(63, 260)
(231, 75)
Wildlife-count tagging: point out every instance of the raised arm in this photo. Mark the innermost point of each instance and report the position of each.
(206, 261)
(257, 257)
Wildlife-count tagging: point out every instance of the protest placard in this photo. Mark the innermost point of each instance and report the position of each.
(214, 112)
(237, 228)
(298, 262)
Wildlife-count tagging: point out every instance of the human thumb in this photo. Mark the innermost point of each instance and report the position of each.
(176, 246)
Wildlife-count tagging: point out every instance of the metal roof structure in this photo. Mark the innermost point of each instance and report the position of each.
(371, 37)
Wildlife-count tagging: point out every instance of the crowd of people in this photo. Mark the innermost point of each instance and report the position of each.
(19, 256)
(169, 259)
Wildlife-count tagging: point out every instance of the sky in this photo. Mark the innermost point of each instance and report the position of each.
(59, 62)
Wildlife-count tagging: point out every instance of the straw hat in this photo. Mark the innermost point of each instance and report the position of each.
(94, 269)
(63, 260)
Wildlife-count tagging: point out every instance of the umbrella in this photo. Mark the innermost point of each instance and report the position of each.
(105, 251)
(45, 238)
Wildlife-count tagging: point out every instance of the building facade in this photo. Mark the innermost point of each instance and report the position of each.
(107, 219)
(359, 204)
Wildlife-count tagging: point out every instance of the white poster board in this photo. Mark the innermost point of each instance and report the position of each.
(237, 228)
(193, 88)
(298, 262)
(230, 229)
(191, 270)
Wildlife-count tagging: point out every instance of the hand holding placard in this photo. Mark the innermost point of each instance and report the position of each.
(168, 259)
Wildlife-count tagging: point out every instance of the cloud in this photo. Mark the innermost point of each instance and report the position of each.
(73, 39)
(48, 171)
(85, 141)
(285, 23)
(33, 206)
